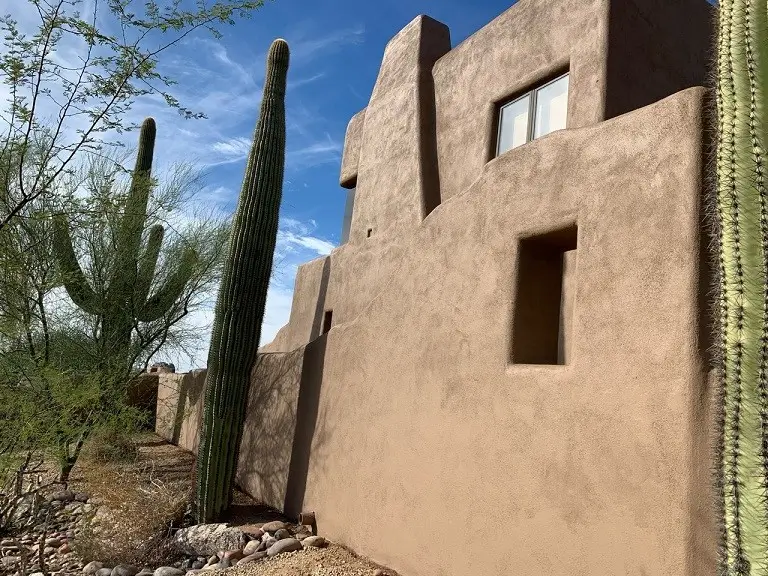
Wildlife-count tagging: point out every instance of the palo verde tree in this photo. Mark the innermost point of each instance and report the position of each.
(116, 47)
(55, 387)
(242, 296)
(742, 251)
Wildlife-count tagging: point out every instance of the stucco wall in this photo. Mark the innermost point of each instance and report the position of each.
(275, 443)
(179, 407)
(417, 440)
(600, 466)
(397, 177)
(410, 420)
(655, 48)
(527, 43)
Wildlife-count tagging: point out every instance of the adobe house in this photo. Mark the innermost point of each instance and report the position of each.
(504, 368)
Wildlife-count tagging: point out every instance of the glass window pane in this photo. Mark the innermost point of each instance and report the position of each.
(513, 125)
(551, 107)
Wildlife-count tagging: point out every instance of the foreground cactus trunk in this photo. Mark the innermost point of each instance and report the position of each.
(242, 296)
(125, 298)
(742, 217)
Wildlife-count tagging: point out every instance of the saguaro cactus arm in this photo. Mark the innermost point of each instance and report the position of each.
(73, 278)
(162, 300)
(242, 295)
(148, 264)
(131, 226)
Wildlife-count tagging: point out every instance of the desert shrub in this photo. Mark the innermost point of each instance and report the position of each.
(110, 445)
(136, 511)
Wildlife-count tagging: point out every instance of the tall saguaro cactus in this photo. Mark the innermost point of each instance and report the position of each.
(742, 217)
(242, 296)
(125, 298)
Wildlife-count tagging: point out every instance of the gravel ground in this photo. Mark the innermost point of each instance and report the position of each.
(330, 561)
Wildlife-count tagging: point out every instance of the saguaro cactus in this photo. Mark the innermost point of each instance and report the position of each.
(126, 297)
(742, 218)
(242, 296)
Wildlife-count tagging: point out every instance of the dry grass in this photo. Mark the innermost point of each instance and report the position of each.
(141, 491)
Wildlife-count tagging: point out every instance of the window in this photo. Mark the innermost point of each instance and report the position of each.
(534, 114)
(327, 321)
(370, 231)
(544, 301)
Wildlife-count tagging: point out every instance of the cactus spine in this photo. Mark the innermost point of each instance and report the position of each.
(242, 296)
(125, 298)
(742, 219)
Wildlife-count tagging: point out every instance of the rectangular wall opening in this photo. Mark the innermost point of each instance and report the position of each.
(327, 321)
(370, 231)
(543, 311)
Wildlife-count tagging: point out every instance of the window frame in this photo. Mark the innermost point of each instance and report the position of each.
(532, 95)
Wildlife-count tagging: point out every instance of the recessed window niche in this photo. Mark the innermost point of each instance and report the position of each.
(544, 298)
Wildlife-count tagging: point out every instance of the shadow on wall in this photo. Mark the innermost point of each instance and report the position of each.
(190, 390)
(179, 408)
(281, 426)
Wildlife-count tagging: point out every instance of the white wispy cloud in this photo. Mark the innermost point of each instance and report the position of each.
(307, 48)
(314, 154)
(235, 148)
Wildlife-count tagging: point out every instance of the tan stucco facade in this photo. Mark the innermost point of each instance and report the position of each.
(516, 377)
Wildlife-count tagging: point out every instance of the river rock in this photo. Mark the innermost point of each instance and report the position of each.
(168, 571)
(282, 534)
(125, 570)
(207, 539)
(274, 526)
(92, 567)
(252, 547)
(315, 541)
(285, 545)
(251, 558)
(231, 555)
(104, 572)
(63, 496)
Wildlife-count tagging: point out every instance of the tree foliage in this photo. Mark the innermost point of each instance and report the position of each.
(117, 46)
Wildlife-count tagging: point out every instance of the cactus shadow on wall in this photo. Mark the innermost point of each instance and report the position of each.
(282, 416)
(307, 408)
(190, 390)
(280, 424)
